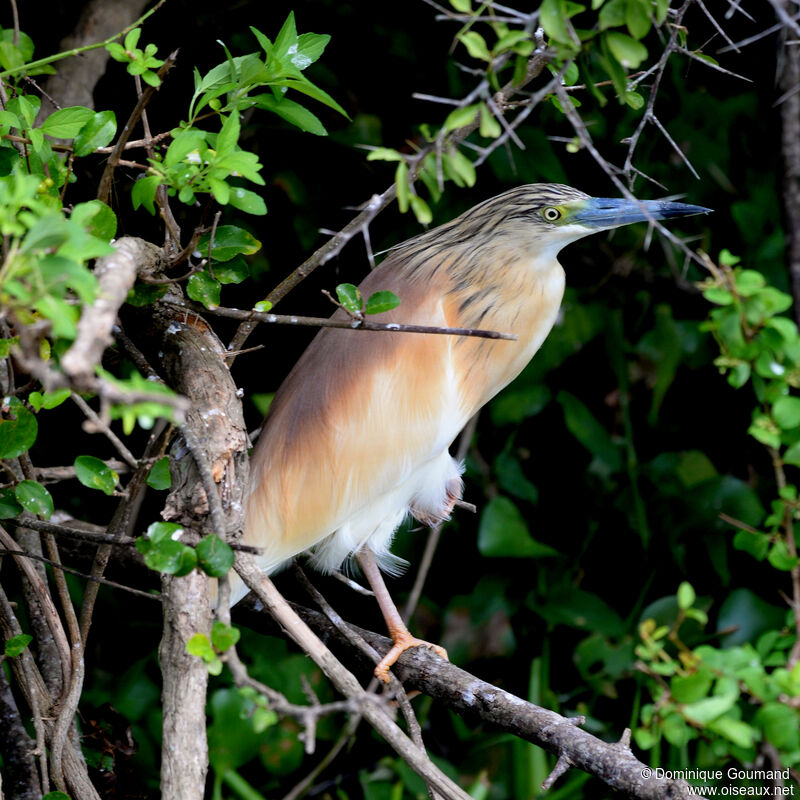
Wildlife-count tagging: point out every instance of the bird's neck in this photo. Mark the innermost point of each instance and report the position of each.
(512, 291)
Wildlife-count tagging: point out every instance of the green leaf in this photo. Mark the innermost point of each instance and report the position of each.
(247, 201)
(228, 136)
(204, 289)
(17, 644)
(634, 100)
(33, 497)
(512, 479)
(143, 192)
(292, 112)
(781, 725)
(553, 18)
(189, 142)
(421, 209)
(144, 294)
(734, 730)
(159, 476)
(6, 345)
(229, 241)
(475, 44)
(67, 122)
(503, 532)
(589, 432)
(676, 731)
(792, 455)
(301, 84)
(719, 296)
(163, 552)
(401, 182)
(199, 645)
(517, 403)
(691, 688)
(460, 117)
(786, 412)
(384, 154)
(626, 50)
(18, 428)
(262, 401)
(780, 558)
(223, 636)
(233, 271)
(95, 218)
(56, 796)
(709, 708)
(9, 507)
(748, 282)
(637, 18)
(214, 556)
(310, 46)
(757, 544)
(380, 302)
(686, 596)
(566, 604)
(94, 474)
(459, 168)
(97, 132)
(489, 127)
(350, 297)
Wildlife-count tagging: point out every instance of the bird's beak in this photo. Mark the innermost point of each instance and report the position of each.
(601, 213)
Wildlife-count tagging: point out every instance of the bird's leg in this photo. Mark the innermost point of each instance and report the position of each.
(401, 637)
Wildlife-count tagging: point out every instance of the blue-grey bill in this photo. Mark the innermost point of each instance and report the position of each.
(610, 212)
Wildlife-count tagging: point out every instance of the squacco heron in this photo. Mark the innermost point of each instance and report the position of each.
(358, 435)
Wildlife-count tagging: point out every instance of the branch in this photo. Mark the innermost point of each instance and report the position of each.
(77, 50)
(479, 701)
(116, 274)
(343, 679)
(104, 188)
(356, 323)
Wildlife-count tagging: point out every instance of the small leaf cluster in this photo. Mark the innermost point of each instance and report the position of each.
(45, 273)
(455, 167)
(140, 62)
(223, 638)
(200, 161)
(164, 552)
(225, 264)
(760, 346)
(34, 154)
(353, 303)
(143, 412)
(732, 697)
(613, 44)
(19, 430)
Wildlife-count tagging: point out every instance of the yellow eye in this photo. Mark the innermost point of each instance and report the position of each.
(551, 214)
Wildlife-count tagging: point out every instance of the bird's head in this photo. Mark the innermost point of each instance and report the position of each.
(551, 215)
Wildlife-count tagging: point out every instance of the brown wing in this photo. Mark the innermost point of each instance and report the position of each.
(357, 415)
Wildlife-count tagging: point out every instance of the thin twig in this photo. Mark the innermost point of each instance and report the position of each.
(351, 324)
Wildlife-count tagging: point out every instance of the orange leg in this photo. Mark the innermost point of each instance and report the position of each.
(401, 637)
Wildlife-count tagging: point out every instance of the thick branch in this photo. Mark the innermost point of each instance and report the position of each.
(116, 275)
(479, 701)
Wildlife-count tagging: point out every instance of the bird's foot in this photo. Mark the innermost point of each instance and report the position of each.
(402, 642)
(431, 517)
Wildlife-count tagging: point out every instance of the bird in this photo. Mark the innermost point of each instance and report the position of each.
(357, 437)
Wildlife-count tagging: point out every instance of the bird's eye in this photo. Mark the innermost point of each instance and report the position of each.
(551, 214)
